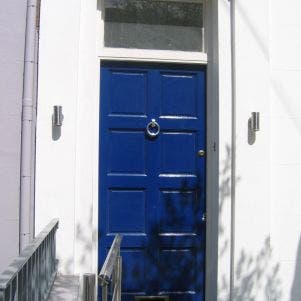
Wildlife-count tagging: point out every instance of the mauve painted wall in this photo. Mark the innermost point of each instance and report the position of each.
(12, 38)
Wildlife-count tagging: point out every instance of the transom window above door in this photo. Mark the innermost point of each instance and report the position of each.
(174, 25)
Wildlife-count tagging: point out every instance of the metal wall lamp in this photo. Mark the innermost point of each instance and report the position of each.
(57, 117)
(255, 121)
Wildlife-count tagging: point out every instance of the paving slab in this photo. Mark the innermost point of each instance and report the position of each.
(65, 288)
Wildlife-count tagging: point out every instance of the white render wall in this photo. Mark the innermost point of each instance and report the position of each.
(56, 161)
(285, 92)
(65, 178)
(268, 191)
(224, 142)
(252, 207)
(267, 206)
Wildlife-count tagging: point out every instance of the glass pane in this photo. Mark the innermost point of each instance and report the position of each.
(152, 24)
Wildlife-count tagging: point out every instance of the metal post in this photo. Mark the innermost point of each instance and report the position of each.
(111, 272)
(28, 102)
(105, 293)
(89, 287)
(119, 277)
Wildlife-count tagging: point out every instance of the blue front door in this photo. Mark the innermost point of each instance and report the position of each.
(152, 185)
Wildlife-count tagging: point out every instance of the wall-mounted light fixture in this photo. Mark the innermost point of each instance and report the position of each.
(57, 117)
(255, 121)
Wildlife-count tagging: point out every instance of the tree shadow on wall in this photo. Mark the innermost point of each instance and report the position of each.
(66, 286)
(296, 287)
(85, 242)
(181, 271)
(253, 272)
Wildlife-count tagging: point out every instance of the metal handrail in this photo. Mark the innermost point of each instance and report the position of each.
(111, 271)
(31, 275)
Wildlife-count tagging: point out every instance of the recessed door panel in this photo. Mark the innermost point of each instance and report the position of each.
(179, 97)
(134, 86)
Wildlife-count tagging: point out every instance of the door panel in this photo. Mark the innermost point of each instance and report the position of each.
(152, 190)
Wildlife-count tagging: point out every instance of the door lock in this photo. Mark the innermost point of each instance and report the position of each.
(201, 153)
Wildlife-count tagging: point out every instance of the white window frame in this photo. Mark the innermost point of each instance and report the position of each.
(149, 55)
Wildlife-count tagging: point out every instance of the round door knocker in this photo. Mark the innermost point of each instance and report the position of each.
(153, 129)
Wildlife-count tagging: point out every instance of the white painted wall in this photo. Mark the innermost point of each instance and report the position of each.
(268, 208)
(67, 168)
(252, 208)
(225, 149)
(56, 160)
(285, 91)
